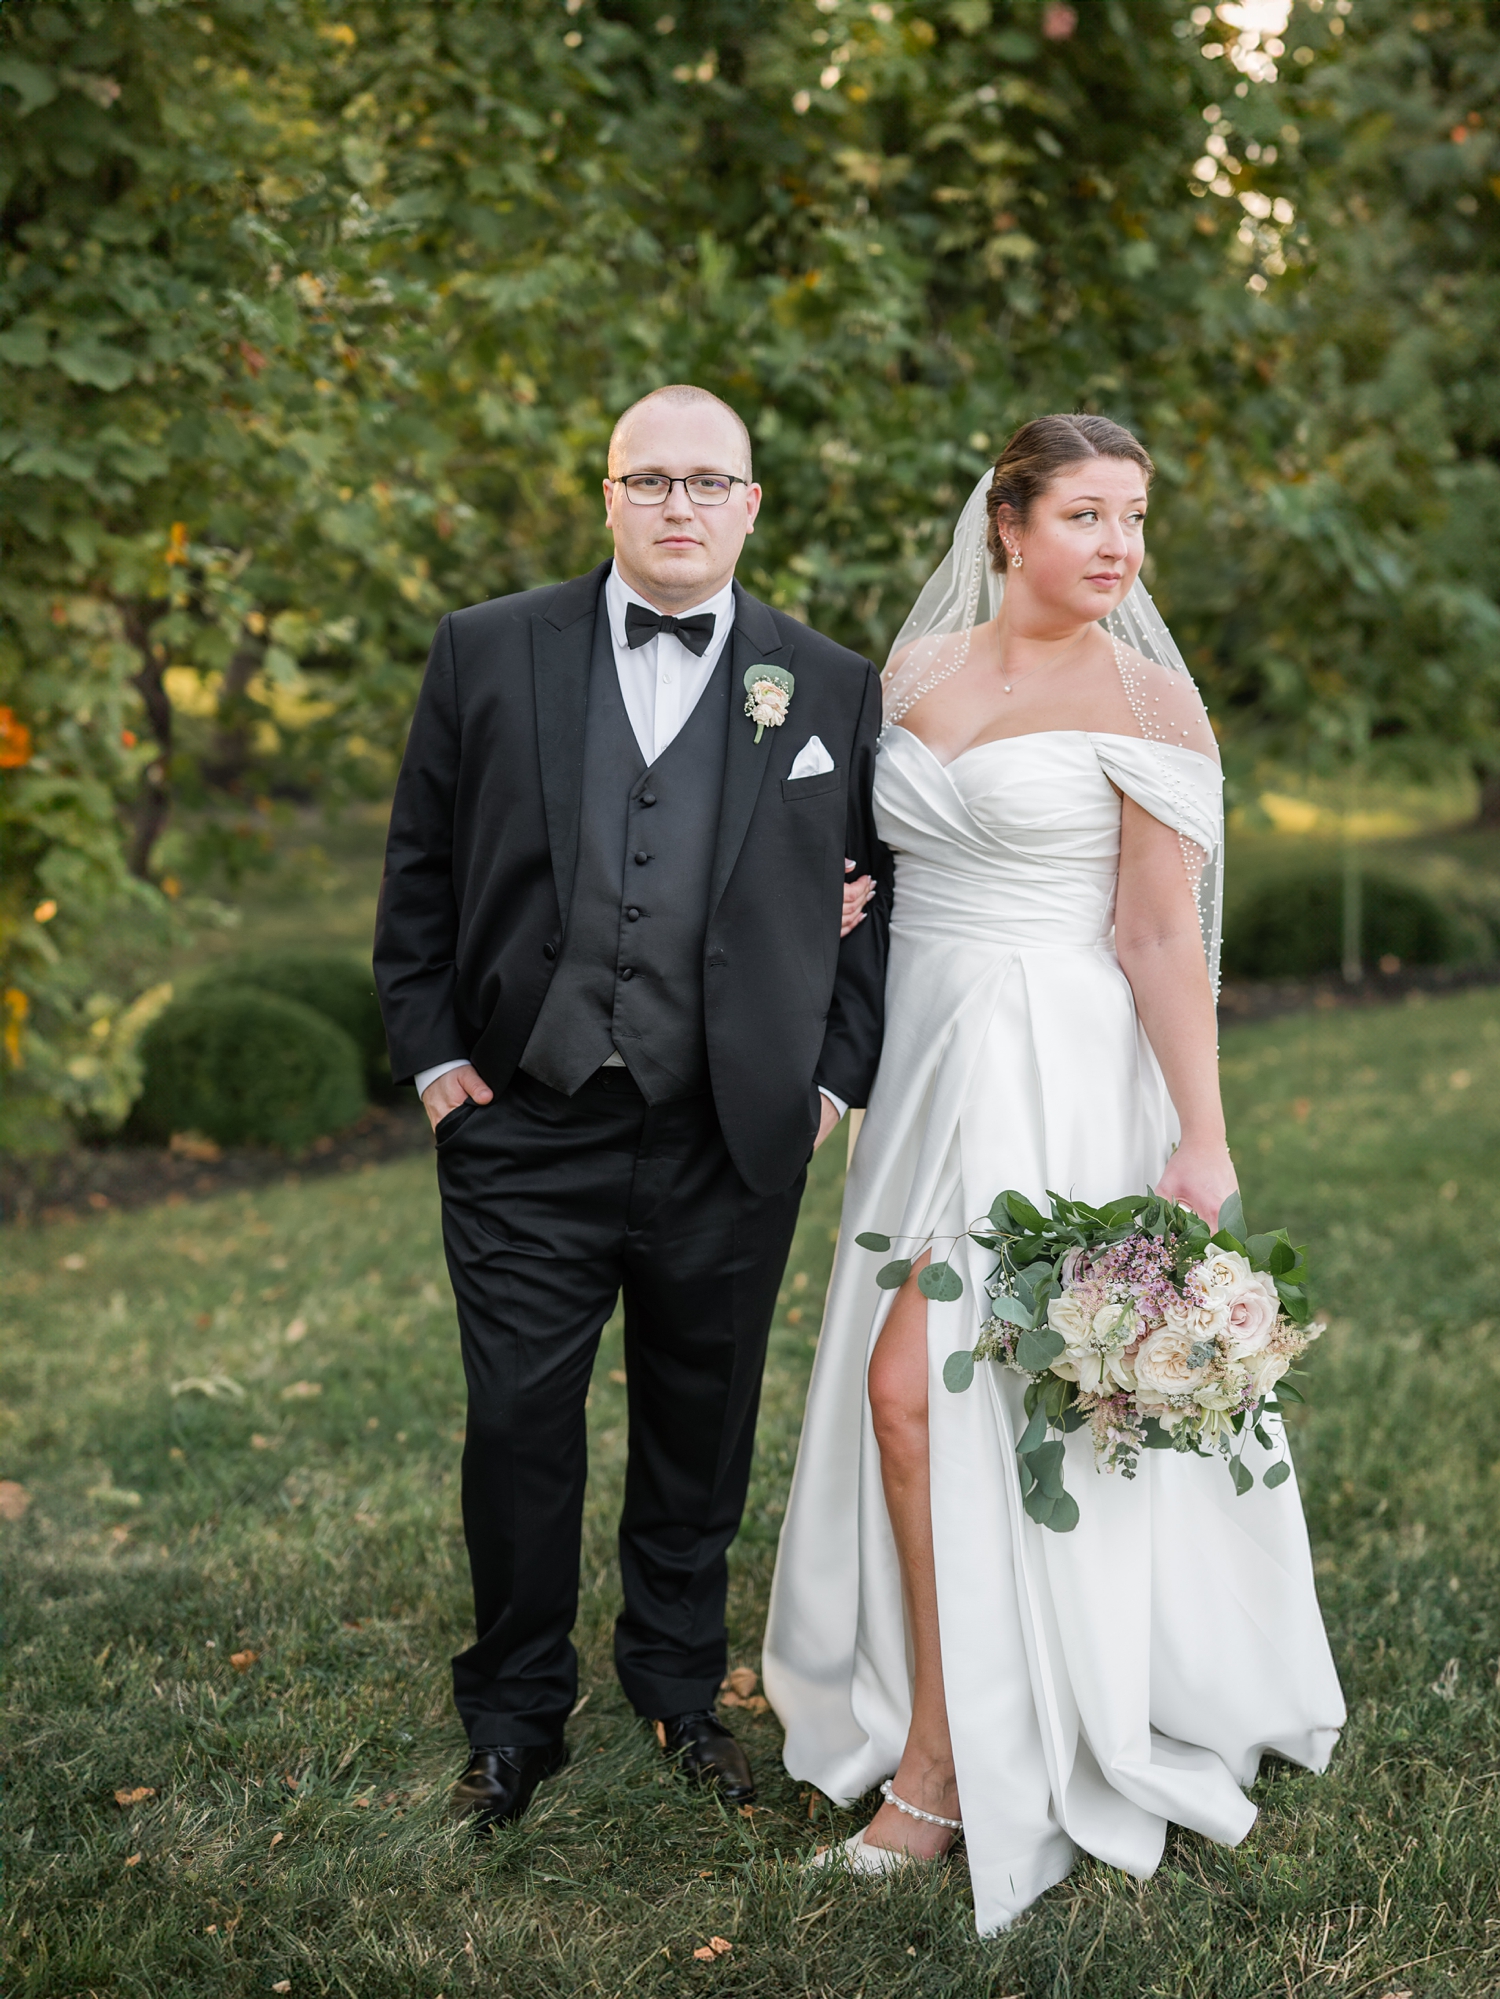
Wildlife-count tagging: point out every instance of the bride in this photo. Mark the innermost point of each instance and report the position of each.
(1049, 785)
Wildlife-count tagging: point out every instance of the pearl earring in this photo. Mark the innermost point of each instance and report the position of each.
(1015, 560)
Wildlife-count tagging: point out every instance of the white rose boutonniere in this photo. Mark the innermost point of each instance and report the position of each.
(768, 697)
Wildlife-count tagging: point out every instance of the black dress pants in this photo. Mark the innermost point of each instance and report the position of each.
(552, 1206)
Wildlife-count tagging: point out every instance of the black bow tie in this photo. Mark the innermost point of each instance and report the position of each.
(694, 632)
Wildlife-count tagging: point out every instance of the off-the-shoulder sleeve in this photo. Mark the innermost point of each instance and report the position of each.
(1182, 788)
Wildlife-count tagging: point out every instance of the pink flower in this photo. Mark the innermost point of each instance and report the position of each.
(1253, 1310)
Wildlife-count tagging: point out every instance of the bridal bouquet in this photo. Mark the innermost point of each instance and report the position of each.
(1135, 1320)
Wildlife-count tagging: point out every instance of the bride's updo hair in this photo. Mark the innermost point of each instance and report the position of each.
(1038, 452)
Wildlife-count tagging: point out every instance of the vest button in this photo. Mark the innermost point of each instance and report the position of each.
(648, 798)
(641, 860)
(549, 952)
(633, 914)
(627, 973)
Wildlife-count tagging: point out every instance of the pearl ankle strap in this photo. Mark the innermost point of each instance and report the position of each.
(927, 1818)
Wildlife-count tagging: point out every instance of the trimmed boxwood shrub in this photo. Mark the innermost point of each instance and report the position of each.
(247, 1068)
(1294, 928)
(339, 988)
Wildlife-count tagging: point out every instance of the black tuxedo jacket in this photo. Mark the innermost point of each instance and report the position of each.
(484, 838)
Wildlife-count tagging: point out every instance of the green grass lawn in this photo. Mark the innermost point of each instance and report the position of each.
(296, 1499)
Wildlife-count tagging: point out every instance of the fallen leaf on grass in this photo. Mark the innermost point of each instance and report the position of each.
(276, 1839)
(260, 1443)
(137, 1795)
(361, 1804)
(194, 1145)
(298, 1391)
(297, 1330)
(813, 1803)
(133, 1860)
(243, 1661)
(75, 1262)
(282, 1985)
(114, 1495)
(119, 1535)
(14, 1499)
(715, 1947)
(617, 1376)
(211, 1385)
(742, 1681)
(661, 1734)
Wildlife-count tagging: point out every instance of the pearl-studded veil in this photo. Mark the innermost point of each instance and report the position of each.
(934, 643)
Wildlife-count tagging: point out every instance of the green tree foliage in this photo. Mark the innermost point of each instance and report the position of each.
(314, 320)
(1336, 566)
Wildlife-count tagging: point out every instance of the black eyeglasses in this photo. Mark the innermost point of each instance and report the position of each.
(704, 489)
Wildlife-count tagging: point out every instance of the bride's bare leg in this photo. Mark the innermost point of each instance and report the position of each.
(898, 1403)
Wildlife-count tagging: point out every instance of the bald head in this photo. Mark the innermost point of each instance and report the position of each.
(691, 402)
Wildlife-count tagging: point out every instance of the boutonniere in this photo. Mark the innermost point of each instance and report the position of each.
(768, 696)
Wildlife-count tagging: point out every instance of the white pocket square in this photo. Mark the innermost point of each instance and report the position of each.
(812, 760)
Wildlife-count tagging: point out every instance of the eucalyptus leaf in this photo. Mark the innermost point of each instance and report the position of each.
(891, 1276)
(1064, 1515)
(958, 1371)
(1034, 1434)
(1242, 1475)
(1012, 1313)
(1278, 1474)
(1038, 1348)
(1157, 1437)
(1039, 1505)
(1046, 1465)
(940, 1281)
(872, 1239)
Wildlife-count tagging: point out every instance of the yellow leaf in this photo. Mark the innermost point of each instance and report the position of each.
(136, 1796)
(133, 1860)
(243, 1661)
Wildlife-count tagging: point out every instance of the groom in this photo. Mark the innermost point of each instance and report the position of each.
(608, 953)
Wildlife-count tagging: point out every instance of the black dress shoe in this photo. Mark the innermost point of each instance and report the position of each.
(499, 1783)
(708, 1753)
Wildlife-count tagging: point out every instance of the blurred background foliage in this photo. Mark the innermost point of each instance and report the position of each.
(314, 319)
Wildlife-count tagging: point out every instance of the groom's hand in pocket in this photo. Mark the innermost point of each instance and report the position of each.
(828, 1118)
(446, 1093)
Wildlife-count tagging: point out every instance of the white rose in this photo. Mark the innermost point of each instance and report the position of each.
(1221, 1274)
(1253, 1311)
(1265, 1369)
(1164, 1361)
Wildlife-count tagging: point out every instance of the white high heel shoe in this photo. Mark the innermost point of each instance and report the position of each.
(862, 1859)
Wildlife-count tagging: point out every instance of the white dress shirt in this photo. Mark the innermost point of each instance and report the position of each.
(661, 683)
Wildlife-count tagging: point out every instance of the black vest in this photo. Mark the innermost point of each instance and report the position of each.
(631, 972)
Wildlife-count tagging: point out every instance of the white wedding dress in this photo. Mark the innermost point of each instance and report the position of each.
(1103, 1683)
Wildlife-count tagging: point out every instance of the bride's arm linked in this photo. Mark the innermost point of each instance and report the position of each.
(1160, 946)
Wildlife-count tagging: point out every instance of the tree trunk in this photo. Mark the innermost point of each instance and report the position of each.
(153, 806)
(1489, 794)
(228, 755)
